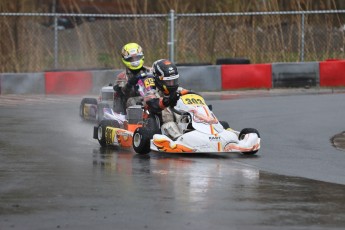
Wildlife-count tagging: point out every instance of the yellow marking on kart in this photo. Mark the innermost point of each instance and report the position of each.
(110, 135)
(193, 99)
(86, 111)
(120, 136)
(149, 82)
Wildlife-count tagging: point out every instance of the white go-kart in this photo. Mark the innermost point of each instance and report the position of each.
(202, 132)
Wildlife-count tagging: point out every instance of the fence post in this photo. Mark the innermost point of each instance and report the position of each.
(56, 47)
(302, 39)
(171, 32)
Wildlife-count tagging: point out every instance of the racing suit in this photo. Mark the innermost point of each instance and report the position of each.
(126, 88)
(154, 102)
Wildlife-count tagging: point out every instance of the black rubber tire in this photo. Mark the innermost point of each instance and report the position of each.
(103, 124)
(243, 133)
(86, 101)
(141, 140)
(232, 61)
(225, 124)
(100, 112)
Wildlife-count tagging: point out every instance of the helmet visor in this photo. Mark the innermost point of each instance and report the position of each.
(134, 58)
(171, 81)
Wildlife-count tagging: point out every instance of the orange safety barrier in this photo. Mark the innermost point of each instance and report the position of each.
(71, 83)
(246, 76)
(332, 73)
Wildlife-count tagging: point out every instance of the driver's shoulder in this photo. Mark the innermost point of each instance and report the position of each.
(147, 68)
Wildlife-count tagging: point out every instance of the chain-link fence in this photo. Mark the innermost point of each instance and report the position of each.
(38, 42)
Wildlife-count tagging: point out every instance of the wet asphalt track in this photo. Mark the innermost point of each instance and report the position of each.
(53, 175)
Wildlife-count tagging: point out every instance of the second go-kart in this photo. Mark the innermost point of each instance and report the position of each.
(202, 132)
(116, 129)
(92, 108)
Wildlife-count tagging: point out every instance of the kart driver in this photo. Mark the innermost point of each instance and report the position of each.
(125, 86)
(166, 94)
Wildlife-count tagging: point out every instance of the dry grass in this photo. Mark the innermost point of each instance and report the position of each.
(27, 45)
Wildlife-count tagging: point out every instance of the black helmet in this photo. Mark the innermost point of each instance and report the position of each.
(166, 76)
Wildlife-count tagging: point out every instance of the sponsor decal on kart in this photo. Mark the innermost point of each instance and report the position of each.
(193, 99)
(149, 82)
(117, 136)
(229, 147)
(215, 138)
(165, 145)
(124, 138)
(110, 136)
(206, 119)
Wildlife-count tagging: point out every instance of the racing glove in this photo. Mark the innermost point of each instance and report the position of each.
(118, 90)
(133, 81)
(171, 100)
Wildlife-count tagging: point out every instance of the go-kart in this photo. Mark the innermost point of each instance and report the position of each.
(116, 129)
(202, 132)
(92, 108)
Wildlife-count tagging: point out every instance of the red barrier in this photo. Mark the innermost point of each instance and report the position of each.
(246, 76)
(72, 83)
(332, 73)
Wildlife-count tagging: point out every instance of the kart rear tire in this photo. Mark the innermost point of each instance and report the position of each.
(225, 124)
(101, 137)
(243, 133)
(100, 113)
(141, 140)
(84, 101)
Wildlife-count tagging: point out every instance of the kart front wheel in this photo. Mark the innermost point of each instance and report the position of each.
(243, 133)
(141, 140)
(102, 127)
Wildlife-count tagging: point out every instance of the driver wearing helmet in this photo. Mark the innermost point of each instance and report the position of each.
(133, 58)
(165, 95)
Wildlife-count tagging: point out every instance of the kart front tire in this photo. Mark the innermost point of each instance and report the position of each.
(101, 137)
(141, 140)
(243, 133)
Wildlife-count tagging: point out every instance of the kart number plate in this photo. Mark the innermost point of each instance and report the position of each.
(193, 99)
(149, 82)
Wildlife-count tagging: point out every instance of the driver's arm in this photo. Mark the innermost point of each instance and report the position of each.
(155, 105)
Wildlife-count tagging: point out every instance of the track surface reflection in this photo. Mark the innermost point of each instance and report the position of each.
(54, 175)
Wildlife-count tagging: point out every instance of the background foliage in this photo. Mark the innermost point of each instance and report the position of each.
(27, 42)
